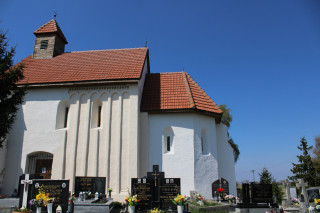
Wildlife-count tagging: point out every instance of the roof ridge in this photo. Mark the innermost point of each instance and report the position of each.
(186, 83)
(203, 92)
(56, 29)
(108, 49)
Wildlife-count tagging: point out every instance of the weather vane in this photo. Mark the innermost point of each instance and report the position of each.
(54, 15)
(146, 43)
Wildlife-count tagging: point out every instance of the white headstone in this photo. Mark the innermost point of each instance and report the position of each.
(287, 185)
(26, 183)
(293, 192)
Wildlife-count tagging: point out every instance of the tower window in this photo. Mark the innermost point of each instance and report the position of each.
(44, 44)
(168, 144)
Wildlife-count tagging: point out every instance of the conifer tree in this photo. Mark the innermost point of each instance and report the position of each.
(266, 178)
(11, 96)
(305, 168)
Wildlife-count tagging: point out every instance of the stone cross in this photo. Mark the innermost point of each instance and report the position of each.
(301, 184)
(287, 185)
(26, 183)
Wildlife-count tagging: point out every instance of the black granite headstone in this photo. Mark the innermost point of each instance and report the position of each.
(143, 188)
(59, 189)
(155, 191)
(169, 189)
(91, 184)
(261, 193)
(22, 186)
(313, 194)
(221, 183)
(245, 193)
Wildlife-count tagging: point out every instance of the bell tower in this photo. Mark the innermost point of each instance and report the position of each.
(50, 41)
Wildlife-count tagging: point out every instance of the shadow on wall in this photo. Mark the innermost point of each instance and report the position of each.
(151, 97)
(13, 156)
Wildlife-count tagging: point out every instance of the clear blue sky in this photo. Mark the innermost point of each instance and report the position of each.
(261, 58)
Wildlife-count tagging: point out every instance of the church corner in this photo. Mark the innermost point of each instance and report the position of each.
(87, 115)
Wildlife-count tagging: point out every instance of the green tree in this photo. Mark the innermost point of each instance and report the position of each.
(226, 119)
(305, 168)
(11, 96)
(267, 178)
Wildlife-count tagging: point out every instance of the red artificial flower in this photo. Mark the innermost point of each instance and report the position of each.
(220, 189)
(139, 200)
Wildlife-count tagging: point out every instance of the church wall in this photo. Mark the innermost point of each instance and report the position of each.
(179, 162)
(82, 148)
(33, 131)
(226, 159)
(206, 161)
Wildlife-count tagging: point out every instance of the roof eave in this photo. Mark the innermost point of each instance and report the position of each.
(77, 83)
(213, 114)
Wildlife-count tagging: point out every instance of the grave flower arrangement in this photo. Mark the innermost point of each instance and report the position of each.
(41, 199)
(316, 201)
(156, 210)
(72, 198)
(180, 200)
(199, 197)
(295, 201)
(229, 197)
(22, 209)
(132, 200)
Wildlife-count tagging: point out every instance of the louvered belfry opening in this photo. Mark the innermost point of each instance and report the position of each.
(40, 164)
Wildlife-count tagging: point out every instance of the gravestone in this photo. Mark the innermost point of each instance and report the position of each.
(144, 189)
(59, 189)
(91, 184)
(245, 193)
(288, 201)
(293, 192)
(155, 191)
(193, 195)
(261, 193)
(169, 188)
(313, 193)
(221, 183)
(24, 188)
(301, 184)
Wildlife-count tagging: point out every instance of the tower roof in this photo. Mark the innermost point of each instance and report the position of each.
(51, 27)
(176, 92)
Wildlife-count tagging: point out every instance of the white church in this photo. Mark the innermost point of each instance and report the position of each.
(104, 114)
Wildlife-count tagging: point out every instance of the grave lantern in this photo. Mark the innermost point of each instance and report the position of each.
(59, 209)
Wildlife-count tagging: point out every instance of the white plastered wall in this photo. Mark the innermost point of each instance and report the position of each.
(226, 158)
(81, 149)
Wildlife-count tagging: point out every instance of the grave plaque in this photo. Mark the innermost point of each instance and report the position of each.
(169, 189)
(143, 188)
(91, 184)
(313, 193)
(59, 189)
(261, 193)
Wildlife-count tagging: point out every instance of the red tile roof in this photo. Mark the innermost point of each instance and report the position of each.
(85, 66)
(51, 27)
(175, 91)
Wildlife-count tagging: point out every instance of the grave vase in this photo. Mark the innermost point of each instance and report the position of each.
(49, 207)
(132, 209)
(38, 209)
(180, 208)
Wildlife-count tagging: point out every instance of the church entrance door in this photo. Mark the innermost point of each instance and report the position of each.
(44, 168)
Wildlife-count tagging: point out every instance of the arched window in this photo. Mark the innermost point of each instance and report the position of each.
(204, 142)
(96, 114)
(40, 164)
(168, 136)
(62, 114)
